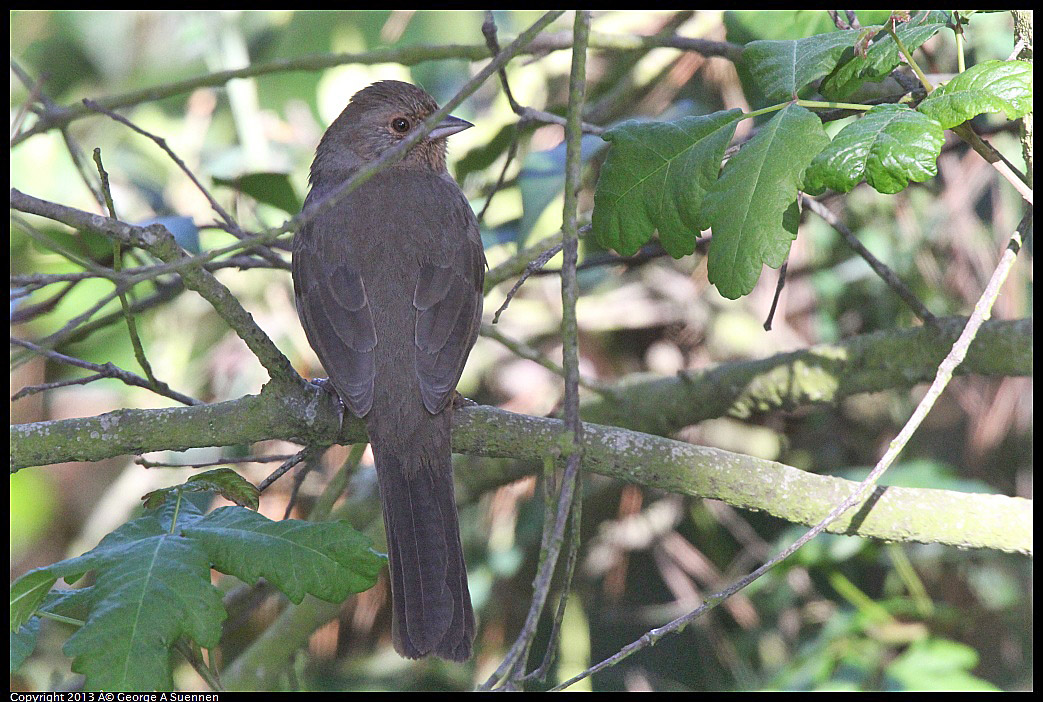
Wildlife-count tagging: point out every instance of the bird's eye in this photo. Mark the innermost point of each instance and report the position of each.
(400, 125)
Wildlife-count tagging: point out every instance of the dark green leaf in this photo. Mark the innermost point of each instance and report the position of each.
(991, 86)
(883, 55)
(23, 641)
(752, 207)
(272, 189)
(889, 146)
(655, 177)
(329, 560)
(148, 593)
(152, 586)
(27, 593)
(223, 481)
(780, 69)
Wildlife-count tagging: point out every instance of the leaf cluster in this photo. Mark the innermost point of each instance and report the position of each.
(152, 587)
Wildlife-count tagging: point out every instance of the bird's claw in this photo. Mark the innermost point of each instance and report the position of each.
(326, 385)
(460, 401)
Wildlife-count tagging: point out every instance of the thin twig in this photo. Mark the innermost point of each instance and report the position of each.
(512, 151)
(778, 293)
(489, 31)
(107, 370)
(160, 242)
(162, 143)
(512, 670)
(885, 273)
(117, 265)
(525, 351)
(287, 465)
(533, 266)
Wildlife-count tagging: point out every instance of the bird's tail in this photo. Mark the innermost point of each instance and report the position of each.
(431, 606)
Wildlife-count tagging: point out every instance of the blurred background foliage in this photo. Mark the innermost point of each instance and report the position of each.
(844, 614)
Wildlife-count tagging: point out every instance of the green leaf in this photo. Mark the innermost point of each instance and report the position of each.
(936, 664)
(778, 70)
(23, 641)
(889, 146)
(752, 208)
(272, 189)
(655, 177)
(152, 587)
(223, 481)
(329, 560)
(27, 593)
(991, 86)
(883, 55)
(148, 593)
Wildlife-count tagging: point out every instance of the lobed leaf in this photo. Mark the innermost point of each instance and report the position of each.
(889, 146)
(990, 86)
(882, 56)
(329, 560)
(655, 177)
(223, 481)
(148, 593)
(752, 208)
(779, 69)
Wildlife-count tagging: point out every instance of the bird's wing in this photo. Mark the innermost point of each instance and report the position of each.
(336, 315)
(448, 302)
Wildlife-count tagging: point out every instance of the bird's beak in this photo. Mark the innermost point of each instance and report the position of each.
(449, 126)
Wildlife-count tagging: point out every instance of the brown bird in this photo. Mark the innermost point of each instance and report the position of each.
(389, 291)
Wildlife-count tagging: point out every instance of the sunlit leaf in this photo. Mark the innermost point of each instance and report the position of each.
(991, 86)
(889, 146)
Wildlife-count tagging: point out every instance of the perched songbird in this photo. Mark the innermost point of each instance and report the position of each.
(389, 291)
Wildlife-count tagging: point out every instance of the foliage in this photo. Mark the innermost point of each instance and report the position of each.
(152, 583)
(657, 173)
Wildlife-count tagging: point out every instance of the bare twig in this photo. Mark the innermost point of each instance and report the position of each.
(407, 56)
(107, 370)
(778, 292)
(158, 241)
(512, 670)
(162, 143)
(525, 351)
(885, 273)
(533, 266)
(512, 151)
(117, 265)
(289, 463)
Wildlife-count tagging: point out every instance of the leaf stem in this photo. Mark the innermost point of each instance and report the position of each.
(890, 27)
(808, 103)
(43, 614)
(834, 105)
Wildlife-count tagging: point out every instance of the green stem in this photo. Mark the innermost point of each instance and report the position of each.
(808, 103)
(764, 111)
(890, 26)
(833, 105)
(59, 618)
